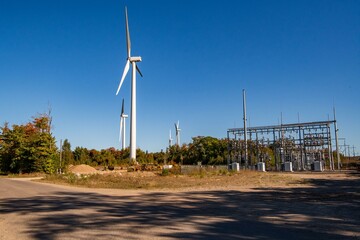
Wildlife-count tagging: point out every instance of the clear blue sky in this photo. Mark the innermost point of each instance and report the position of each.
(290, 56)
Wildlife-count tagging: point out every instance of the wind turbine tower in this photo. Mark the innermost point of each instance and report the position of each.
(133, 61)
(177, 129)
(123, 117)
(170, 139)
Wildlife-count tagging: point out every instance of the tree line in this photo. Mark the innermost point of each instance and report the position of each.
(207, 150)
(31, 147)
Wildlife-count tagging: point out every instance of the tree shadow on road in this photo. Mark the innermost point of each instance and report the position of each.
(327, 210)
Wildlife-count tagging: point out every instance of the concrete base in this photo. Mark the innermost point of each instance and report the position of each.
(288, 167)
(167, 166)
(318, 166)
(235, 166)
(261, 167)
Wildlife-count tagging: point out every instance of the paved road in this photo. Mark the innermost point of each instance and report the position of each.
(30, 210)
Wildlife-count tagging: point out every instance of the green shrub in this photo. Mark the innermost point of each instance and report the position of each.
(165, 172)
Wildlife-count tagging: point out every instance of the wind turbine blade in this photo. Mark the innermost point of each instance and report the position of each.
(138, 69)
(126, 69)
(128, 43)
(176, 128)
(122, 108)
(121, 126)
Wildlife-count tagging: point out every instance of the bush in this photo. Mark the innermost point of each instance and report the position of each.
(71, 178)
(165, 172)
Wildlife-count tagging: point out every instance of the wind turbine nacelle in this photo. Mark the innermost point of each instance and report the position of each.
(135, 59)
(124, 115)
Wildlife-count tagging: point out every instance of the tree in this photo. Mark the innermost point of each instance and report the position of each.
(28, 148)
(107, 157)
(81, 156)
(175, 154)
(207, 150)
(67, 155)
(159, 157)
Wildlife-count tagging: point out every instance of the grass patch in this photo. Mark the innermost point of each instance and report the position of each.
(24, 175)
(208, 172)
(217, 179)
(118, 181)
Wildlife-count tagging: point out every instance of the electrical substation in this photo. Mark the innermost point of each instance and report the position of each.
(297, 146)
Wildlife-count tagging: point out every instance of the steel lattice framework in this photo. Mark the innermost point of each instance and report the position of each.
(300, 143)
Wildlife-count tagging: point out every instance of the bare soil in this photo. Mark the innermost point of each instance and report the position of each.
(247, 205)
(82, 169)
(198, 180)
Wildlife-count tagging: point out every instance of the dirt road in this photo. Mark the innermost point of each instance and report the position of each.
(330, 209)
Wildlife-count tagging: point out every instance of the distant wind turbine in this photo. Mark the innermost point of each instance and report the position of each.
(123, 117)
(133, 61)
(177, 129)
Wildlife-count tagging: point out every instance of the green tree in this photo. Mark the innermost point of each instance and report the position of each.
(108, 159)
(41, 144)
(28, 148)
(176, 154)
(159, 157)
(81, 156)
(207, 150)
(67, 154)
(95, 157)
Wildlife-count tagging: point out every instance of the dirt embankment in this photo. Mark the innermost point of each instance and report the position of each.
(82, 169)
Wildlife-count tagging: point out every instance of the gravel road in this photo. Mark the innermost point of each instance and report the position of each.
(329, 209)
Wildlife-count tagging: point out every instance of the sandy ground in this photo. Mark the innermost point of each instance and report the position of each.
(327, 207)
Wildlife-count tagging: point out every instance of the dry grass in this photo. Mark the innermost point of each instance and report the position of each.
(199, 180)
(24, 175)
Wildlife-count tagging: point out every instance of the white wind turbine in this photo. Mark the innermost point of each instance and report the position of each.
(177, 129)
(133, 61)
(170, 139)
(123, 117)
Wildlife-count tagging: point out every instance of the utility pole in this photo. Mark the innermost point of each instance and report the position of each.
(336, 141)
(282, 150)
(349, 155)
(229, 149)
(353, 150)
(345, 152)
(60, 155)
(276, 159)
(345, 149)
(329, 145)
(245, 130)
(282, 132)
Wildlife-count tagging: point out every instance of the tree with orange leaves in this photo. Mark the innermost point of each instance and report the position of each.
(28, 148)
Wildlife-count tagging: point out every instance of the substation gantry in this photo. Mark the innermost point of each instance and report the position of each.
(299, 143)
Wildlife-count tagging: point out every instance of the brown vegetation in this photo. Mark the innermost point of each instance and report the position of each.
(198, 179)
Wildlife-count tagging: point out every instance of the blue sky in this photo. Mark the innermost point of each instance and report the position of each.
(290, 56)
